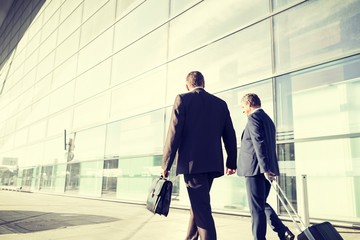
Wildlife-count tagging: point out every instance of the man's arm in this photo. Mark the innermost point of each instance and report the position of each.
(229, 139)
(258, 140)
(173, 136)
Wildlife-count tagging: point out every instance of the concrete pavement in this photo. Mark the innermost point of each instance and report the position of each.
(36, 216)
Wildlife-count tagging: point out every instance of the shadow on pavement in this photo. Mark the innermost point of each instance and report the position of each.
(32, 221)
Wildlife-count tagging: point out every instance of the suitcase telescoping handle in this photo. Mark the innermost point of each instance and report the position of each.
(282, 197)
(285, 202)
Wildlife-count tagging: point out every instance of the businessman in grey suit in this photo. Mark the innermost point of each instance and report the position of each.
(258, 163)
(199, 123)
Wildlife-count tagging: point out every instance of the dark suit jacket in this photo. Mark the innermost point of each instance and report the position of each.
(258, 146)
(198, 122)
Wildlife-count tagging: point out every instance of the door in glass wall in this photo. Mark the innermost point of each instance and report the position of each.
(27, 179)
(109, 183)
(46, 178)
(72, 180)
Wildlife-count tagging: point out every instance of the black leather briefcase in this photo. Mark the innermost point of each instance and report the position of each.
(159, 198)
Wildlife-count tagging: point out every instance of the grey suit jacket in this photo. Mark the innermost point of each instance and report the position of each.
(199, 122)
(258, 146)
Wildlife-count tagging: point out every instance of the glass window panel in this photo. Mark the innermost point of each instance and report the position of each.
(68, 7)
(333, 169)
(67, 48)
(94, 81)
(140, 56)
(233, 99)
(188, 32)
(8, 143)
(180, 6)
(64, 73)
(70, 24)
(10, 125)
(306, 100)
(110, 176)
(50, 7)
(59, 122)
(113, 131)
(32, 155)
(139, 95)
(72, 181)
(42, 87)
(140, 22)
(50, 25)
(40, 109)
(31, 61)
(97, 23)
(124, 137)
(278, 4)
(90, 7)
(84, 114)
(303, 36)
(59, 177)
(62, 97)
(32, 44)
(91, 178)
(46, 178)
(90, 144)
(37, 131)
(124, 6)
(136, 176)
(54, 152)
(21, 137)
(96, 51)
(48, 45)
(23, 118)
(236, 60)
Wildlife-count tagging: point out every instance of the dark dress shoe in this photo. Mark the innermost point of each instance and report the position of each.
(288, 235)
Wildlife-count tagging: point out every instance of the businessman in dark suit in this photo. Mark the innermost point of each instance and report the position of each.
(199, 122)
(258, 163)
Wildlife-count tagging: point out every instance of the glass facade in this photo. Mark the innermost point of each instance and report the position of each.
(107, 72)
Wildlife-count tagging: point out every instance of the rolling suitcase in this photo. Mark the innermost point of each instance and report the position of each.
(321, 231)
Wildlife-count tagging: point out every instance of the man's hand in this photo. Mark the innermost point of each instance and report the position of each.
(270, 176)
(165, 173)
(230, 171)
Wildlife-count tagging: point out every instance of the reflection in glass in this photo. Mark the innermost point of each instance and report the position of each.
(308, 99)
(333, 169)
(235, 61)
(124, 62)
(125, 136)
(303, 36)
(188, 32)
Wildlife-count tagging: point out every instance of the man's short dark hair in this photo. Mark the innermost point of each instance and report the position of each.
(195, 79)
(253, 99)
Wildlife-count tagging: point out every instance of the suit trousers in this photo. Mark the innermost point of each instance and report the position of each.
(258, 188)
(201, 222)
